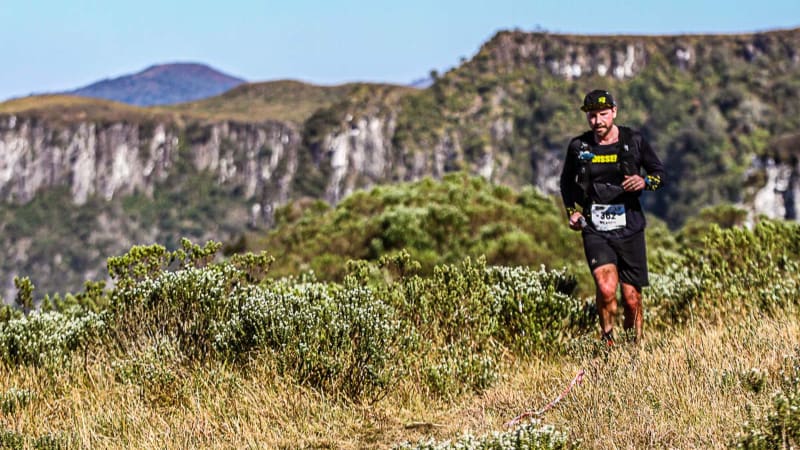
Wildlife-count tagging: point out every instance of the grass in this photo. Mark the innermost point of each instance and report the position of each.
(687, 388)
(285, 100)
(65, 109)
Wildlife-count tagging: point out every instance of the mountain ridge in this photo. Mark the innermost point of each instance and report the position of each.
(162, 84)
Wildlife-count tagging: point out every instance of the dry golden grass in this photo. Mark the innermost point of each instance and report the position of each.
(284, 100)
(681, 390)
(71, 109)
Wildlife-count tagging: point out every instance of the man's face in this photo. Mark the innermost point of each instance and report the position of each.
(601, 120)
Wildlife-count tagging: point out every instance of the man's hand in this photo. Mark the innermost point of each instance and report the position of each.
(577, 221)
(633, 183)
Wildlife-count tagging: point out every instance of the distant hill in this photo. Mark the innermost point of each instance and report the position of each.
(422, 83)
(162, 85)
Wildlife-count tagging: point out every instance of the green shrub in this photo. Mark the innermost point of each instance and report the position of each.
(14, 399)
(537, 312)
(519, 307)
(47, 339)
(462, 317)
(736, 271)
(529, 436)
(436, 222)
(781, 426)
(326, 335)
(180, 306)
(24, 298)
(459, 370)
(451, 319)
(461, 308)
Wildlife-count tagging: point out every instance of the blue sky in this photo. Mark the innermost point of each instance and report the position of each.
(51, 45)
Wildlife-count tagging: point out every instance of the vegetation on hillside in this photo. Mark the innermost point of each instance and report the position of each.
(711, 117)
(59, 248)
(402, 342)
(437, 222)
(284, 100)
(59, 110)
(707, 119)
(187, 333)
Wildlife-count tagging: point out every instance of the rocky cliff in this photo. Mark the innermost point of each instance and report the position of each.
(123, 183)
(775, 190)
(108, 160)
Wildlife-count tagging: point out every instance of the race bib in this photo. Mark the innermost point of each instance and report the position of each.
(608, 217)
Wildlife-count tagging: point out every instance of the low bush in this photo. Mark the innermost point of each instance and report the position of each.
(324, 335)
(449, 329)
(529, 436)
(780, 427)
(47, 339)
(735, 272)
(461, 319)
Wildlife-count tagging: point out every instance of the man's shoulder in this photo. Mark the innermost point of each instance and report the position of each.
(586, 136)
(631, 136)
(629, 132)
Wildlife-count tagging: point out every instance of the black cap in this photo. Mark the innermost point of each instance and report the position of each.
(598, 99)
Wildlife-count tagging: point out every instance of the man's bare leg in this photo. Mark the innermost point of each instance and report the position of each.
(606, 279)
(632, 306)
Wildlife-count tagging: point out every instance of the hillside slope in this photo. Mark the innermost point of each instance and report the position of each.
(286, 100)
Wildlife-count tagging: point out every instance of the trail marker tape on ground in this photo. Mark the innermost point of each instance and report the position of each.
(534, 413)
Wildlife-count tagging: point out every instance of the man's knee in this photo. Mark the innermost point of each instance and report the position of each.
(607, 294)
(631, 296)
(606, 280)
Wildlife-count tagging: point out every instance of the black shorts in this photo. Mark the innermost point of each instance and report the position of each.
(629, 254)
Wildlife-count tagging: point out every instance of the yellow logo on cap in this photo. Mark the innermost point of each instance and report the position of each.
(601, 100)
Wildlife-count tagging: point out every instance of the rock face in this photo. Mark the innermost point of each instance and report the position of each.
(623, 57)
(118, 159)
(779, 198)
(361, 151)
(573, 57)
(777, 193)
(99, 164)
